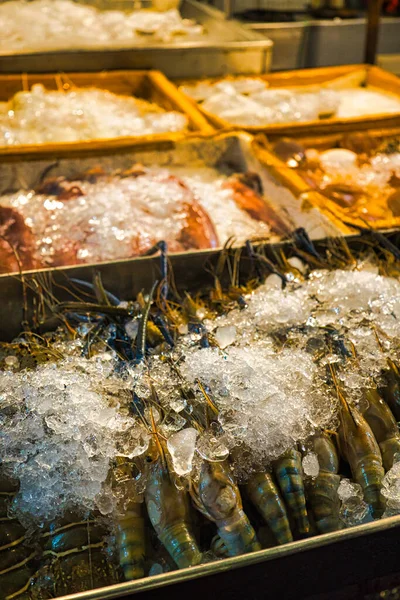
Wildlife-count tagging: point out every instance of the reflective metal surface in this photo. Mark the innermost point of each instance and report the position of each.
(290, 43)
(342, 42)
(226, 47)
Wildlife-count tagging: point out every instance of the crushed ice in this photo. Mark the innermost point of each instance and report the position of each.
(251, 102)
(138, 219)
(44, 116)
(64, 24)
(63, 423)
(61, 426)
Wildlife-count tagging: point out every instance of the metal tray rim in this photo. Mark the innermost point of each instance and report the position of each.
(155, 581)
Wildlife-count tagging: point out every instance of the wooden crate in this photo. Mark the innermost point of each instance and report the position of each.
(152, 86)
(293, 180)
(374, 76)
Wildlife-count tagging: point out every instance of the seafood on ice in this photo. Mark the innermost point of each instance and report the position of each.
(284, 392)
(42, 25)
(252, 102)
(97, 217)
(360, 175)
(41, 116)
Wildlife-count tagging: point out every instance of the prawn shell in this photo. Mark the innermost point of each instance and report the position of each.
(391, 392)
(361, 450)
(265, 496)
(369, 474)
(384, 427)
(389, 449)
(324, 501)
(219, 499)
(180, 544)
(238, 534)
(131, 544)
(322, 492)
(168, 510)
(288, 472)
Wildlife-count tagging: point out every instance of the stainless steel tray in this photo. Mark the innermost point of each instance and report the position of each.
(227, 152)
(345, 565)
(341, 42)
(290, 43)
(226, 47)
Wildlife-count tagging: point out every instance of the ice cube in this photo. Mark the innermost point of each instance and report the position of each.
(348, 489)
(337, 159)
(225, 335)
(273, 281)
(211, 447)
(181, 446)
(354, 510)
(311, 465)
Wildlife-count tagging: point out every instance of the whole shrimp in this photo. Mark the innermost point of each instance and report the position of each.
(169, 512)
(384, 427)
(217, 496)
(288, 472)
(322, 492)
(265, 496)
(360, 448)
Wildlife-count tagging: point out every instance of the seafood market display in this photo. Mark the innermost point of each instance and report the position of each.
(254, 102)
(232, 420)
(359, 175)
(41, 116)
(39, 25)
(99, 216)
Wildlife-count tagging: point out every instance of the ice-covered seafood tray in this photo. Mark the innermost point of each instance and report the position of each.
(214, 45)
(358, 562)
(49, 112)
(352, 175)
(321, 100)
(89, 207)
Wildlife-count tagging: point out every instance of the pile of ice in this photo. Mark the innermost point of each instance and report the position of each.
(338, 164)
(44, 116)
(146, 208)
(351, 315)
(251, 102)
(262, 391)
(391, 489)
(63, 24)
(61, 426)
(267, 401)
